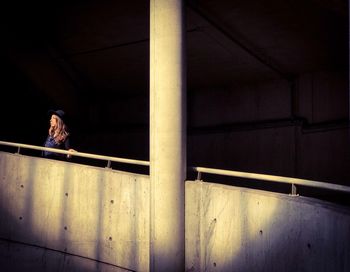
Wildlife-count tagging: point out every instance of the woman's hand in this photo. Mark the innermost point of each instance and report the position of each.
(71, 150)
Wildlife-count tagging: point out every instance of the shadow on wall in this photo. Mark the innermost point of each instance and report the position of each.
(57, 216)
(249, 230)
(51, 223)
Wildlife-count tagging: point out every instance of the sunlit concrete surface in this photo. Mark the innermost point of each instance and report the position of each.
(93, 212)
(58, 216)
(235, 229)
(167, 135)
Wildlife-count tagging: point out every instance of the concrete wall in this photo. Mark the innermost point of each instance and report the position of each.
(233, 229)
(80, 210)
(57, 216)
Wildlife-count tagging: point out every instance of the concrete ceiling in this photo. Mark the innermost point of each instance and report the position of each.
(99, 50)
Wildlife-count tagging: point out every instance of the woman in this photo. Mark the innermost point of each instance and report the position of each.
(58, 136)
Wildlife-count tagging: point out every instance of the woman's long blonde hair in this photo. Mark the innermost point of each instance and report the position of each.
(59, 133)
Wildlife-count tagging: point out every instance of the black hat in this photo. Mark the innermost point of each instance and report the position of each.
(59, 113)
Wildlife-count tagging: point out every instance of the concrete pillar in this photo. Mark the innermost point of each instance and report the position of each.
(167, 136)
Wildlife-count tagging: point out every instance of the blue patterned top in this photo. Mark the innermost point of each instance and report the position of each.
(50, 142)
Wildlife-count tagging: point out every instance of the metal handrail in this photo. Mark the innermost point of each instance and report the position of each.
(76, 153)
(264, 177)
(272, 178)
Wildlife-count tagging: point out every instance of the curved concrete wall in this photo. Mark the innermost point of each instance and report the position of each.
(57, 216)
(235, 229)
(74, 210)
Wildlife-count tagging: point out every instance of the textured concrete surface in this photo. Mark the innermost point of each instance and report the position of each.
(93, 212)
(235, 229)
(57, 216)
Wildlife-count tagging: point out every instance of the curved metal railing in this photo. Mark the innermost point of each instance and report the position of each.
(271, 178)
(76, 153)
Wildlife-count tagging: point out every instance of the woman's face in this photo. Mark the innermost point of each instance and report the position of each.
(53, 121)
